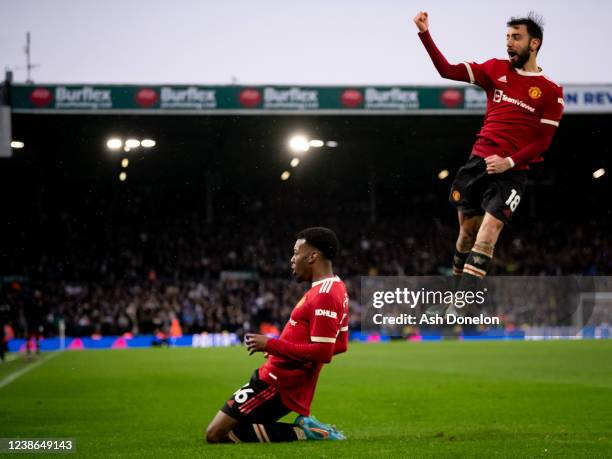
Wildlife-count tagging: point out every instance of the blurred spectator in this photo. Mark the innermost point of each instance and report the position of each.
(109, 274)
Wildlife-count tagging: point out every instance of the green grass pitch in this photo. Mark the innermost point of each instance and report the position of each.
(444, 399)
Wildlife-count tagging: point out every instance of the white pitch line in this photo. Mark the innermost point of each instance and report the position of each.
(13, 376)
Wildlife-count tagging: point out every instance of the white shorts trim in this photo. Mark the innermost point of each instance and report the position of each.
(258, 433)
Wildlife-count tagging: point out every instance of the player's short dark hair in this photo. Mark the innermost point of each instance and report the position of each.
(534, 23)
(322, 239)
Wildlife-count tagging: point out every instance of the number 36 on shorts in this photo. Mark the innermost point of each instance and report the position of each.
(513, 200)
(242, 394)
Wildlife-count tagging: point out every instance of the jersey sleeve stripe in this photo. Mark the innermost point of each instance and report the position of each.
(343, 329)
(551, 122)
(322, 339)
(470, 72)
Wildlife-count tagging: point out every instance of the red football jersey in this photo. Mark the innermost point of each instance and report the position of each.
(321, 316)
(518, 103)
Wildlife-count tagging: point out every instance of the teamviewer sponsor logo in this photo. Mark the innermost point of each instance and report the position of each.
(326, 313)
(499, 96)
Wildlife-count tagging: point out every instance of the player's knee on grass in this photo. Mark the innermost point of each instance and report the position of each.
(215, 434)
(219, 427)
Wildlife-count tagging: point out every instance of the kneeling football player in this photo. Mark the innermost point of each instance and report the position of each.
(316, 331)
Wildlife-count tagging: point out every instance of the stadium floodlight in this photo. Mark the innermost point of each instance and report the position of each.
(114, 143)
(295, 162)
(285, 175)
(332, 144)
(16, 144)
(123, 176)
(147, 143)
(132, 143)
(316, 143)
(599, 173)
(125, 162)
(299, 144)
(443, 174)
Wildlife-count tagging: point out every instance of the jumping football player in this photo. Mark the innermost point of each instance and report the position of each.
(317, 330)
(524, 108)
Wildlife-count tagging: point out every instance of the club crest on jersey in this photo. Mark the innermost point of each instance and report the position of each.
(326, 313)
(535, 92)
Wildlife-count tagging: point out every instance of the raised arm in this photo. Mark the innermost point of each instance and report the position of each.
(457, 72)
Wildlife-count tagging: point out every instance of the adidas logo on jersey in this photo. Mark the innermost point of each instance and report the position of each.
(503, 79)
(326, 313)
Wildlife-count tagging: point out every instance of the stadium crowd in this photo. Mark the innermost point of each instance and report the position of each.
(234, 275)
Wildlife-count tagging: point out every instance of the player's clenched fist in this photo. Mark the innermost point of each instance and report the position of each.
(496, 164)
(255, 342)
(422, 22)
